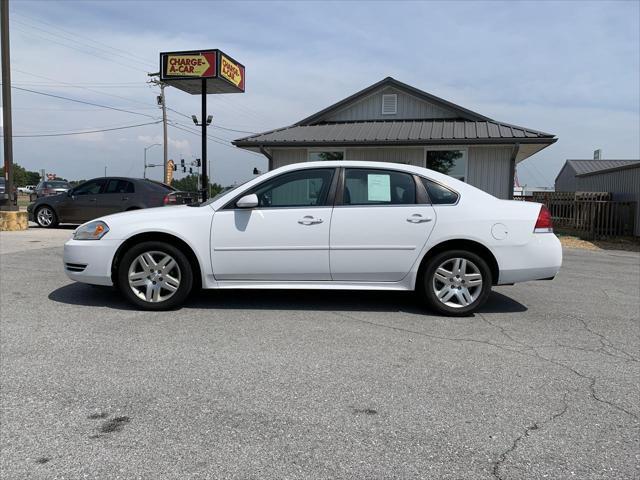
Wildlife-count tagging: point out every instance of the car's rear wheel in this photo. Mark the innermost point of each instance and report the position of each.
(46, 217)
(155, 276)
(456, 282)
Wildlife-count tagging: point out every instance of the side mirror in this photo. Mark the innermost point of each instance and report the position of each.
(248, 201)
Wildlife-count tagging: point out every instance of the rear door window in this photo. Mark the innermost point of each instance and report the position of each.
(378, 187)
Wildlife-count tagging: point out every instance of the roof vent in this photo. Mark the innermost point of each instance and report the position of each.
(390, 104)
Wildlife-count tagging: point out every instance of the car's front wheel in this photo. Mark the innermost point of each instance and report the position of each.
(46, 217)
(155, 276)
(456, 282)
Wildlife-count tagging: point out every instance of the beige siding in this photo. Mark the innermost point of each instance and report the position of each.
(488, 167)
(410, 156)
(287, 156)
(489, 170)
(409, 107)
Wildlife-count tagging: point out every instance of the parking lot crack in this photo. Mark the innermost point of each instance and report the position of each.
(527, 350)
(526, 433)
(501, 346)
(605, 342)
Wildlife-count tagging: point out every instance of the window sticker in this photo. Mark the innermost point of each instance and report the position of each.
(378, 187)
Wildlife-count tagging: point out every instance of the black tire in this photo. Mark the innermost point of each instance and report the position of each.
(428, 285)
(185, 271)
(54, 217)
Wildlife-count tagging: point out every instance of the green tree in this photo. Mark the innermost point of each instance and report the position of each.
(22, 177)
(190, 184)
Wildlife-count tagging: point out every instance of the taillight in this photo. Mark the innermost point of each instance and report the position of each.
(169, 199)
(544, 224)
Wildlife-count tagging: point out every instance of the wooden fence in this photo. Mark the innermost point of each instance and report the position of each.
(590, 215)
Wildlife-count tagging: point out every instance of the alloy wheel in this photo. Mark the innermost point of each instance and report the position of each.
(457, 282)
(45, 217)
(154, 276)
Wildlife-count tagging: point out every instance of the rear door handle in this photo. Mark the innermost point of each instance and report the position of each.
(124, 199)
(417, 218)
(309, 220)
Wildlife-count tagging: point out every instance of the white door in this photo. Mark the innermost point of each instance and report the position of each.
(286, 237)
(379, 228)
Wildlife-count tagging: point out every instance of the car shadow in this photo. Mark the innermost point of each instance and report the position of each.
(318, 300)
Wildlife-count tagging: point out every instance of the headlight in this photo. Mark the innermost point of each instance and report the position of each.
(91, 231)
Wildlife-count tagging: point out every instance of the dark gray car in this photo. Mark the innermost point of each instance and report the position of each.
(51, 187)
(103, 196)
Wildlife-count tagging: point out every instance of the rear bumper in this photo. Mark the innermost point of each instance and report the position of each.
(89, 261)
(540, 259)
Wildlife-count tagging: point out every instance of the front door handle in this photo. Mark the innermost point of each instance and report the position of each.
(124, 199)
(309, 220)
(417, 218)
(93, 199)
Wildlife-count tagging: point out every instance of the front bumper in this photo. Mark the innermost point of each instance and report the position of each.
(89, 261)
(540, 259)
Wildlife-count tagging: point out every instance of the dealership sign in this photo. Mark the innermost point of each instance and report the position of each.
(202, 71)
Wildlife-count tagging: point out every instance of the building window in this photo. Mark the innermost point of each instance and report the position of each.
(321, 155)
(449, 162)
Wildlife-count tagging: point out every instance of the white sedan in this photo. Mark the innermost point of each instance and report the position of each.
(338, 225)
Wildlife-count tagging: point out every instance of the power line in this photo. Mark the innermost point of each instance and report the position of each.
(83, 102)
(172, 124)
(85, 38)
(83, 132)
(83, 87)
(212, 125)
(93, 54)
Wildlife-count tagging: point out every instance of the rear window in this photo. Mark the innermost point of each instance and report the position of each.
(55, 185)
(439, 194)
(159, 186)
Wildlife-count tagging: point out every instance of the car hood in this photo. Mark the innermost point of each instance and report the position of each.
(176, 220)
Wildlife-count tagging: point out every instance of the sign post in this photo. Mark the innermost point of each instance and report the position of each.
(202, 72)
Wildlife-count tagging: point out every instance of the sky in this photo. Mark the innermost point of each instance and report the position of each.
(567, 68)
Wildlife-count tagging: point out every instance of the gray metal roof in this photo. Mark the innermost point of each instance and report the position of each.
(583, 167)
(410, 132)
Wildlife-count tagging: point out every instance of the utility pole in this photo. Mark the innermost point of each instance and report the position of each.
(164, 134)
(163, 104)
(10, 203)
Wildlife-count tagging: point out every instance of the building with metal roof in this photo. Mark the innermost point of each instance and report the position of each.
(567, 180)
(395, 122)
(620, 178)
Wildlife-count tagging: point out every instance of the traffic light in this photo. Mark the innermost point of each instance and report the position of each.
(190, 170)
(198, 162)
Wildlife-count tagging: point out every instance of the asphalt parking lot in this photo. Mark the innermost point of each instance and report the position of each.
(543, 383)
